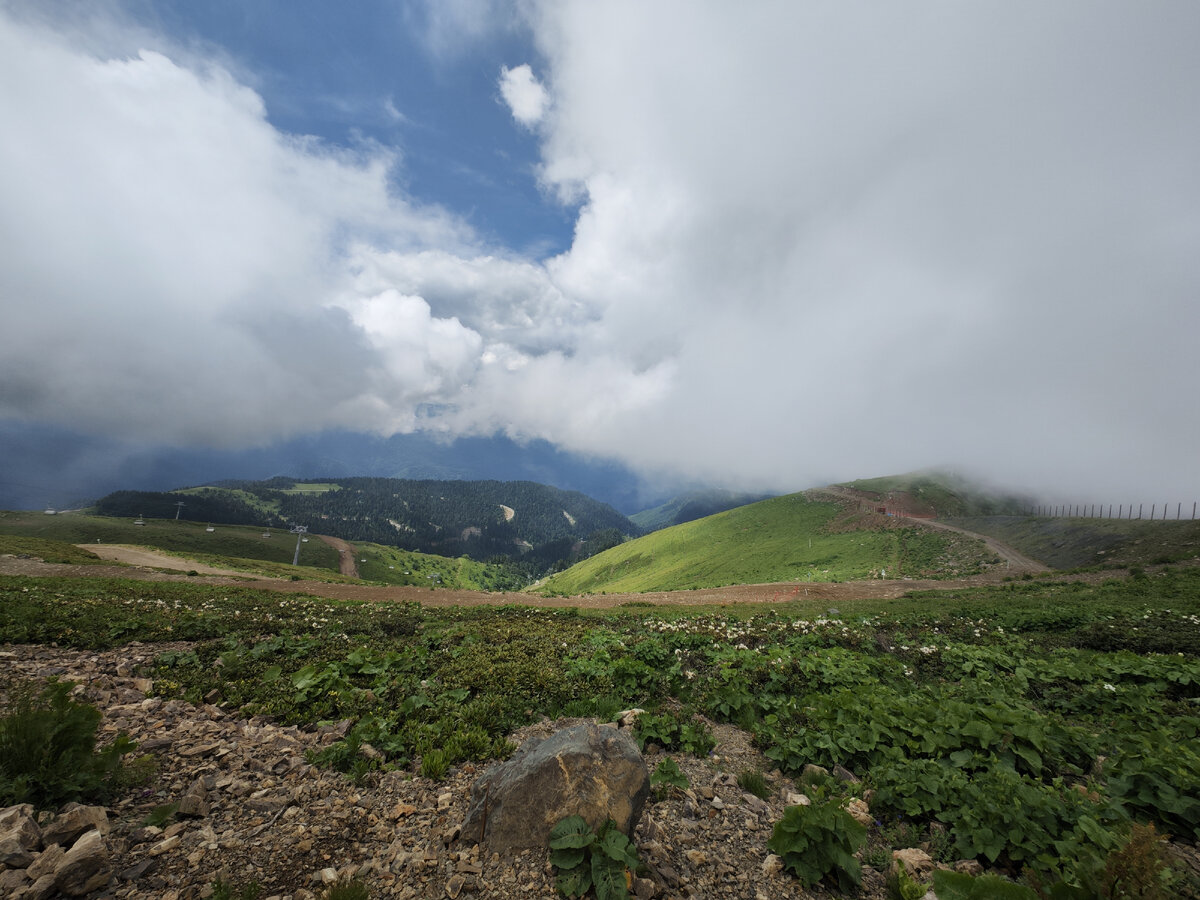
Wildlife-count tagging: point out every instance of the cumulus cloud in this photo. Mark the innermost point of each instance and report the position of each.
(868, 241)
(813, 243)
(169, 258)
(524, 94)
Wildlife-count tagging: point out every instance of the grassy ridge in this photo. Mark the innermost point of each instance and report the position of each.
(780, 539)
(1070, 543)
(53, 539)
(945, 492)
(184, 538)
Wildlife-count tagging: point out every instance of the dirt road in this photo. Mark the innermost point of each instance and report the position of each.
(1017, 563)
(143, 556)
(346, 564)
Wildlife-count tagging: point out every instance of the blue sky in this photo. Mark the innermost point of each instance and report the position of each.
(762, 246)
(384, 72)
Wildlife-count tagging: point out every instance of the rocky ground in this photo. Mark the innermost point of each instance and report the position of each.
(251, 809)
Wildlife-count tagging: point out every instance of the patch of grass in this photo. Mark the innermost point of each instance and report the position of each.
(48, 752)
(47, 550)
(347, 890)
(223, 890)
(754, 782)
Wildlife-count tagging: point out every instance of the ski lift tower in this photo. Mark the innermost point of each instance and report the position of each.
(299, 531)
(178, 509)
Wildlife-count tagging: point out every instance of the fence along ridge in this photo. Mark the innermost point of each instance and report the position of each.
(1101, 511)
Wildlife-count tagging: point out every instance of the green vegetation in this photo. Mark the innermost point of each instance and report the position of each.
(818, 842)
(50, 551)
(1071, 543)
(1076, 703)
(312, 487)
(48, 752)
(782, 539)
(691, 506)
(53, 538)
(945, 493)
(584, 859)
(224, 545)
(533, 525)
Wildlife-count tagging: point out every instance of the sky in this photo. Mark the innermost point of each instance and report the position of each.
(763, 246)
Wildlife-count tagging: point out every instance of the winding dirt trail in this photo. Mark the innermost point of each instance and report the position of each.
(346, 564)
(1016, 562)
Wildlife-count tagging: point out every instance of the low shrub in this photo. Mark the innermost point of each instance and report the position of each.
(48, 752)
(818, 842)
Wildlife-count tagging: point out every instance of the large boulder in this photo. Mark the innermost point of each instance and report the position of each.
(587, 770)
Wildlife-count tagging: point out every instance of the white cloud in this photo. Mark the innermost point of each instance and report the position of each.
(524, 94)
(814, 243)
(868, 241)
(162, 244)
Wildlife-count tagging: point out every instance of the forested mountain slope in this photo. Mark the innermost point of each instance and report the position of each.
(480, 519)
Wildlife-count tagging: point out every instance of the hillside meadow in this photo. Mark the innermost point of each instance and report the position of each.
(244, 548)
(783, 539)
(1029, 726)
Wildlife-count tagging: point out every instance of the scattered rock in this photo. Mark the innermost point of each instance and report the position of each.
(917, 863)
(859, 811)
(969, 867)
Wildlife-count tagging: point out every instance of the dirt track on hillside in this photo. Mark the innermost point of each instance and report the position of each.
(144, 556)
(346, 564)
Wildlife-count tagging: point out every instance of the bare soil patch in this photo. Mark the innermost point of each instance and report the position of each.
(143, 556)
(346, 564)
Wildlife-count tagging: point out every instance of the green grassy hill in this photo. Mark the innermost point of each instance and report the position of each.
(1070, 543)
(690, 506)
(53, 539)
(941, 492)
(790, 538)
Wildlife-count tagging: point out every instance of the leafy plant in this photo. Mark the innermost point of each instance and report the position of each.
(584, 859)
(903, 886)
(819, 841)
(48, 749)
(161, 815)
(950, 885)
(672, 731)
(668, 775)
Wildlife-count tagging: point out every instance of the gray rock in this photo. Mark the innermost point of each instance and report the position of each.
(74, 821)
(597, 773)
(11, 880)
(42, 889)
(10, 815)
(47, 862)
(841, 773)
(20, 837)
(85, 867)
